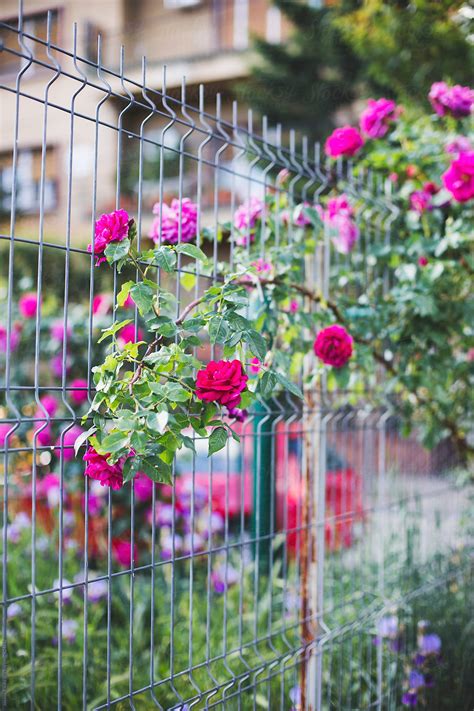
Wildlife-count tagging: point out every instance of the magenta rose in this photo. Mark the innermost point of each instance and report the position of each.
(111, 227)
(245, 219)
(102, 304)
(98, 468)
(66, 442)
(15, 337)
(459, 178)
(221, 381)
(127, 335)
(28, 304)
(461, 144)
(338, 216)
(50, 404)
(345, 141)
(178, 221)
(334, 346)
(79, 391)
(421, 201)
(375, 120)
(454, 100)
(122, 551)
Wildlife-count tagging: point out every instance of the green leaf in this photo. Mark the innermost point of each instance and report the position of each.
(218, 329)
(191, 250)
(115, 441)
(267, 384)
(165, 257)
(82, 438)
(175, 392)
(117, 250)
(156, 469)
(142, 294)
(313, 215)
(217, 440)
(256, 342)
(157, 421)
(288, 385)
(124, 292)
(112, 330)
(194, 324)
(188, 281)
(342, 376)
(130, 468)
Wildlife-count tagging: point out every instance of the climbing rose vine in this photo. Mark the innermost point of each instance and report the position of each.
(397, 318)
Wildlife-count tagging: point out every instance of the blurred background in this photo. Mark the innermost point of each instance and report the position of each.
(305, 63)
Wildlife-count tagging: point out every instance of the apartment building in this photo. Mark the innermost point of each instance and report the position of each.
(208, 41)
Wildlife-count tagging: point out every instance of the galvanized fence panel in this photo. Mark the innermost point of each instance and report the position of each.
(262, 577)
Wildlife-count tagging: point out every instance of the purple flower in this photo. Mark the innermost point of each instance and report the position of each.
(238, 414)
(178, 221)
(461, 144)
(57, 330)
(388, 626)
(295, 696)
(416, 680)
(69, 630)
(299, 216)
(421, 201)
(429, 644)
(454, 100)
(13, 610)
(224, 576)
(410, 698)
(166, 542)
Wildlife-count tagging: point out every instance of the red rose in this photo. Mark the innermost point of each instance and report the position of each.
(221, 381)
(333, 345)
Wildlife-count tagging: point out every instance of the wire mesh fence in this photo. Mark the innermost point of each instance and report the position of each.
(281, 572)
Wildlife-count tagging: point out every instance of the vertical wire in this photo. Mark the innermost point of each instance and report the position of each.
(38, 351)
(8, 398)
(64, 359)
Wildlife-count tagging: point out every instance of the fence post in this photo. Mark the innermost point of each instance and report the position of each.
(263, 470)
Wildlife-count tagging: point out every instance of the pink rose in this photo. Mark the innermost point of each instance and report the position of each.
(283, 176)
(470, 355)
(48, 488)
(420, 201)
(57, 330)
(342, 228)
(98, 468)
(15, 336)
(44, 435)
(4, 430)
(375, 120)
(255, 365)
(294, 306)
(102, 304)
(78, 393)
(261, 266)
(143, 487)
(50, 404)
(178, 222)
(129, 303)
(122, 551)
(28, 304)
(245, 219)
(127, 335)
(222, 382)
(345, 141)
(299, 217)
(333, 345)
(112, 227)
(454, 100)
(459, 178)
(56, 364)
(422, 261)
(66, 442)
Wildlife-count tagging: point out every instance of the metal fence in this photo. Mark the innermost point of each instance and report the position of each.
(267, 575)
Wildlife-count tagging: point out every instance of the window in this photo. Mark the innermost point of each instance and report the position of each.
(36, 25)
(181, 4)
(29, 180)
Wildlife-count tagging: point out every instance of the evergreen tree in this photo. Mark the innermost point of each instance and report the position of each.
(304, 81)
